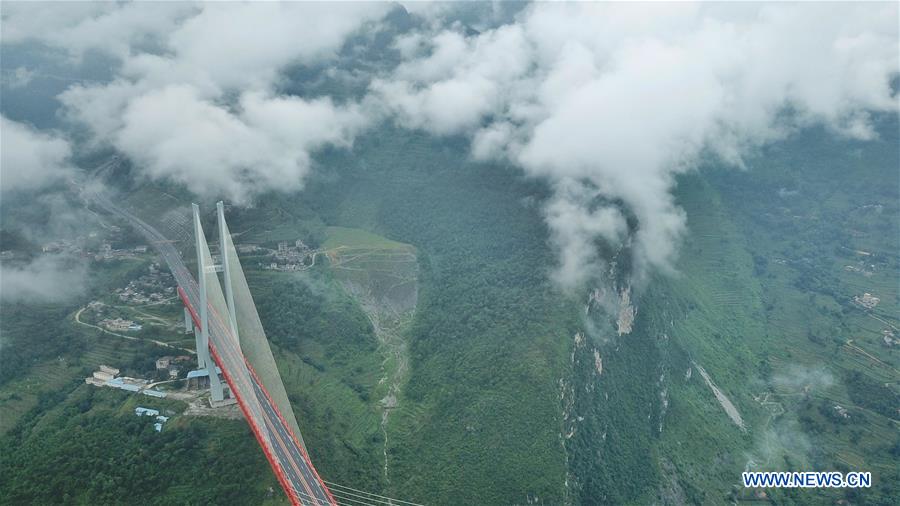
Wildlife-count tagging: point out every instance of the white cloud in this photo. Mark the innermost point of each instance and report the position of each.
(621, 99)
(263, 144)
(575, 222)
(100, 106)
(45, 279)
(19, 78)
(77, 27)
(307, 124)
(199, 109)
(216, 47)
(607, 102)
(244, 45)
(464, 80)
(30, 160)
(799, 377)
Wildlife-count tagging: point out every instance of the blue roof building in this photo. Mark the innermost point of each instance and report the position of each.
(120, 384)
(202, 373)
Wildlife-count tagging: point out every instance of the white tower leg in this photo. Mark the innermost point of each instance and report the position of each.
(215, 386)
(226, 269)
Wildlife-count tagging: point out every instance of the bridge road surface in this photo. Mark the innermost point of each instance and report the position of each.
(290, 462)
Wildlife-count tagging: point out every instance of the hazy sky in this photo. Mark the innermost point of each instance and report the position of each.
(602, 101)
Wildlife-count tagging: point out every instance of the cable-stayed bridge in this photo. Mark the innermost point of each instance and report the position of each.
(262, 399)
(230, 338)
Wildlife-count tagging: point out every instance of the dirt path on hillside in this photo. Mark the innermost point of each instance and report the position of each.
(389, 326)
(388, 296)
(395, 350)
(130, 338)
(774, 409)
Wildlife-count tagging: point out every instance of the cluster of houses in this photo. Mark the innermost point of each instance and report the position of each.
(155, 286)
(160, 419)
(889, 338)
(106, 252)
(61, 246)
(106, 376)
(867, 300)
(120, 324)
(79, 246)
(867, 272)
(173, 365)
(290, 257)
(841, 411)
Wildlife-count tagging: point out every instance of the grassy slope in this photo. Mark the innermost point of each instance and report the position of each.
(357, 238)
(481, 420)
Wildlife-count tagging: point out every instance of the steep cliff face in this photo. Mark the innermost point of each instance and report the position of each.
(613, 401)
(636, 407)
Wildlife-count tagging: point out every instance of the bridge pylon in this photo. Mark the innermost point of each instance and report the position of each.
(246, 326)
(234, 309)
(204, 266)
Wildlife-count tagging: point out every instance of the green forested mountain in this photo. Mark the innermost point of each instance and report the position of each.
(407, 281)
(500, 395)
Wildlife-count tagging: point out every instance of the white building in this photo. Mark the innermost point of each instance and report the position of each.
(142, 411)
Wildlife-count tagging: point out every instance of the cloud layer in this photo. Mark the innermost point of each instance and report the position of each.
(193, 99)
(606, 102)
(30, 160)
(174, 133)
(45, 279)
(611, 101)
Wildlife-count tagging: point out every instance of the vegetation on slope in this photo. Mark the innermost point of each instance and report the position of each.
(765, 303)
(88, 447)
(482, 419)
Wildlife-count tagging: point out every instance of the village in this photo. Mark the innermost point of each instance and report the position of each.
(176, 380)
(104, 252)
(289, 257)
(154, 287)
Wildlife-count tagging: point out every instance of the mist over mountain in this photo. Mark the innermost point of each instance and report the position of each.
(618, 103)
(616, 228)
